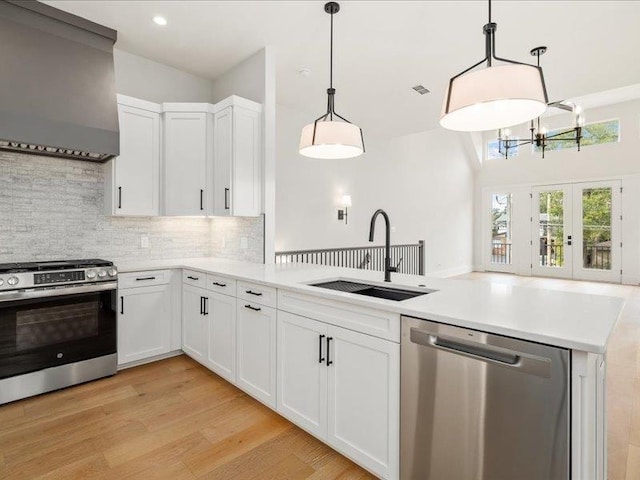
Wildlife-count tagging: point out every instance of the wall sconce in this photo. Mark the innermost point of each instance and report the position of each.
(346, 203)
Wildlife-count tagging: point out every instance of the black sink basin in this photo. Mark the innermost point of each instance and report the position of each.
(388, 293)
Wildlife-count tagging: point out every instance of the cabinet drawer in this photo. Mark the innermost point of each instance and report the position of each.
(354, 317)
(256, 293)
(197, 279)
(144, 279)
(220, 284)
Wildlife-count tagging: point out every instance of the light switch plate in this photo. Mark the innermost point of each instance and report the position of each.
(144, 242)
(244, 243)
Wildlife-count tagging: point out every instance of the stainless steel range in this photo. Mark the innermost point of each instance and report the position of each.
(57, 325)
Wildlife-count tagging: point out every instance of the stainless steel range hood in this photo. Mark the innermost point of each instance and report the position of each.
(57, 83)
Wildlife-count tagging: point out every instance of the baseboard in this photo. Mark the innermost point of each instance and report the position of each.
(451, 272)
(630, 280)
(478, 268)
(137, 363)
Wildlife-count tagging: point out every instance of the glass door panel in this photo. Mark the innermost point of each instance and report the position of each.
(551, 236)
(597, 227)
(501, 229)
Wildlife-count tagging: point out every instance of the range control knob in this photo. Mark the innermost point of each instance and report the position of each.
(102, 273)
(1, 282)
(91, 274)
(112, 272)
(13, 281)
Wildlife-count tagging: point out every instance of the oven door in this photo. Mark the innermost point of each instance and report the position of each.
(44, 328)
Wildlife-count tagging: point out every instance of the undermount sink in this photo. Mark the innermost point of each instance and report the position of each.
(388, 293)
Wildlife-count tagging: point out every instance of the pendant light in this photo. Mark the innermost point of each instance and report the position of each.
(329, 137)
(496, 96)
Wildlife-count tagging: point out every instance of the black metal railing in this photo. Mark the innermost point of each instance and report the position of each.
(408, 258)
(597, 256)
(501, 253)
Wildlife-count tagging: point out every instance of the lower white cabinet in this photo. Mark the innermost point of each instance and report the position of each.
(343, 387)
(302, 372)
(256, 351)
(144, 322)
(221, 335)
(194, 322)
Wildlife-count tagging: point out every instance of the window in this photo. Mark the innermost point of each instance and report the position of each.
(501, 206)
(493, 153)
(592, 134)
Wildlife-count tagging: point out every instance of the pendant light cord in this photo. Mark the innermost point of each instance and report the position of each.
(331, 56)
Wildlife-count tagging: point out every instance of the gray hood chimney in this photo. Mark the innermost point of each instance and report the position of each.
(57, 83)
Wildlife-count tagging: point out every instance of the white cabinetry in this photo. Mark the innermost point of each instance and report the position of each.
(188, 157)
(132, 179)
(194, 322)
(256, 351)
(144, 317)
(343, 387)
(238, 158)
(221, 346)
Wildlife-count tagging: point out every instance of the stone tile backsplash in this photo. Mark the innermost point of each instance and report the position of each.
(52, 208)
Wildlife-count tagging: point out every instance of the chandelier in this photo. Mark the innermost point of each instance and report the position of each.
(540, 137)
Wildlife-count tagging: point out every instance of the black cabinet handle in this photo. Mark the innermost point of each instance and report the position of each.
(220, 284)
(257, 294)
(201, 199)
(206, 305)
(226, 199)
(119, 197)
(193, 278)
(329, 362)
(255, 309)
(320, 357)
(201, 305)
(141, 279)
(121, 305)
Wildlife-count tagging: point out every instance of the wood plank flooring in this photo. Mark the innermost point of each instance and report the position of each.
(171, 419)
(176, 420)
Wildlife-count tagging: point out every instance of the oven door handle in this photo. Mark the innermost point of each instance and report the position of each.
(56, 292)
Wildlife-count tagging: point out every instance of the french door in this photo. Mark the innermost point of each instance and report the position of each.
(576, 231)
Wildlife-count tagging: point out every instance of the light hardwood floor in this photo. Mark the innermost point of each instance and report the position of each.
(171, 420)
(623, 368)
(176, 420)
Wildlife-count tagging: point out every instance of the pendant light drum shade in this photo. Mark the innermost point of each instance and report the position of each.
(333, 139)
(493, 98)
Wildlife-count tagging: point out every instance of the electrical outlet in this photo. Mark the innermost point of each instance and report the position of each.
(393, 229)
(144, 242)
(244, 243)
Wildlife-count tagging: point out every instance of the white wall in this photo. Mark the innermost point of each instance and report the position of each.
(423, 181)
(608, 161)
(143, 78)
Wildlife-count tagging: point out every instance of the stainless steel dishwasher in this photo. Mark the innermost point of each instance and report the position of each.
(478, 406)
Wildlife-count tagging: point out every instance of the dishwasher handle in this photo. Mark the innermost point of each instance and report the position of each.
(475, 351)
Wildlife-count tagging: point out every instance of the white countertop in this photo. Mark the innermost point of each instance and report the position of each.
(570, 320)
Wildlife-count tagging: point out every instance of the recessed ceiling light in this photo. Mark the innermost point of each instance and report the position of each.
(160, 20)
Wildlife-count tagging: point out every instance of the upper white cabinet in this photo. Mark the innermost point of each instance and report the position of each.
(188, 157)
(132, 179)
(238, 158)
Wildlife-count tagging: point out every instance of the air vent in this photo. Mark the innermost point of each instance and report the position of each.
(420, 89)
(53, 151)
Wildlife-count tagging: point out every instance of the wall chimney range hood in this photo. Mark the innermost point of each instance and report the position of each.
(57, 83)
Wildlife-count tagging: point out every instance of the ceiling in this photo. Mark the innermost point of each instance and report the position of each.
(382, 49)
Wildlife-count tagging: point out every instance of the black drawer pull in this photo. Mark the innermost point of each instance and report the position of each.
(201, 199)
(121, 305)
(201, 305)
(329, 362)
(145, 278)
(257, 294)
(193, 278)
(255, 309)
(226, 199)
(220, 284)
(206, 306)
(119, 197)
(320, 357)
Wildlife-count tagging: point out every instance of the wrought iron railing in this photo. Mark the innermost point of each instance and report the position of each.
(408, 258)
(597, 257)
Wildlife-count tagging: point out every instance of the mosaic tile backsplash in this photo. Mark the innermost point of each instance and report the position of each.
(52, 208)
